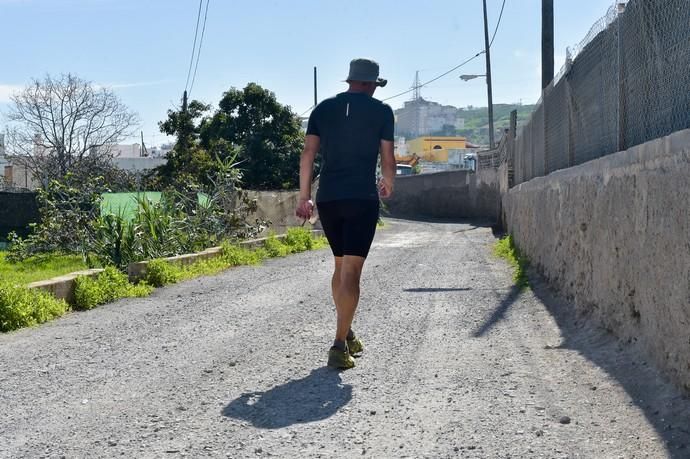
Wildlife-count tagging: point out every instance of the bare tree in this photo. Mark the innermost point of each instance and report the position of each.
(65, 124)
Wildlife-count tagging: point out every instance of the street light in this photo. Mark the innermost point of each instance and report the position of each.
(470, 77)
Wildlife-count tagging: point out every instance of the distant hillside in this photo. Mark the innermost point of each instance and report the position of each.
(477, 121)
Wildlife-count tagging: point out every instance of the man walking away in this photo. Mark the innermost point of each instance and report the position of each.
(350, 130)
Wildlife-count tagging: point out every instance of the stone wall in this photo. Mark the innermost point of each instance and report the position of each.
(613, 235)
(453, 194)
(278, 207)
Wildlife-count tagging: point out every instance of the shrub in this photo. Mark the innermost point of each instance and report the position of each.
(299, 239)
(160, 273)
(108, 286)
(235, 255)
(275, 247)
(22, 307)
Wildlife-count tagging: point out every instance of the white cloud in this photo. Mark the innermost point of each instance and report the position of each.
(6, 90)
(137, 84)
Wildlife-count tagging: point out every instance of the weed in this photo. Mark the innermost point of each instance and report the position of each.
(161, 272)
(505, 248)
(22, 307)
(108, 286)
(275, 247)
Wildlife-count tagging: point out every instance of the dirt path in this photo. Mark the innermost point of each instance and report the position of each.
(457, 364)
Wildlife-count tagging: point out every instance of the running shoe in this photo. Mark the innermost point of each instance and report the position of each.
(355, 346)
(340, 359)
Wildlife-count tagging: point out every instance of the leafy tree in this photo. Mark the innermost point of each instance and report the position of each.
(265, 135)
(188, 164)
(57, 125)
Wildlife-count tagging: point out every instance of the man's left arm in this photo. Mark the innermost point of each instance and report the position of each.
(388, 165)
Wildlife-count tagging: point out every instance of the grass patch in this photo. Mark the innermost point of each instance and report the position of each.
(108, 286)
(39, 268)
(22, 307)
(161, 272)
(505, 248)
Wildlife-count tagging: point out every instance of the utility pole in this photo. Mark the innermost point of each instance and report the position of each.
(182, 129)
(492, 145)
(546, 43)
(316, 99)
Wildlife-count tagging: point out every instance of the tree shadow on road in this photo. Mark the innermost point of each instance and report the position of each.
(500, 312)
(315, 397)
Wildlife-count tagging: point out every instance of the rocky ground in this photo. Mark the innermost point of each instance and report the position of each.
(458, 363)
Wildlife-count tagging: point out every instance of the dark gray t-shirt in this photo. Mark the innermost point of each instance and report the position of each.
(350, 127)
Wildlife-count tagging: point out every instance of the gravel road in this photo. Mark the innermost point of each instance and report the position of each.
(458, 363)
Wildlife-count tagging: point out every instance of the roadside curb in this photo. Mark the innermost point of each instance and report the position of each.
(62, 287)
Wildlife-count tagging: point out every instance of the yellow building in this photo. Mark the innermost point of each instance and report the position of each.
(434, 148)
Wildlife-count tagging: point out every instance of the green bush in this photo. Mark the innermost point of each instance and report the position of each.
(160, 273)
(275, 247)
(235, 255)
(299, 239)
(108, 286)
(22, 307)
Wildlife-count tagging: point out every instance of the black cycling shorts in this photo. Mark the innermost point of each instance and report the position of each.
(349, 224)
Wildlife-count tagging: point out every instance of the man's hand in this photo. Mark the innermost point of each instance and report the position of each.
(305, 208)
(385, 188)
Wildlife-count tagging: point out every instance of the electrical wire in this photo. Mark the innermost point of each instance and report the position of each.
(497, 24)
(306, 111)
(196, 32)
(201, 43)
(436, 78)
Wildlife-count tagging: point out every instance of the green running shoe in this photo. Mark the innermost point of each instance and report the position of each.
(340, 359)
(355, 346)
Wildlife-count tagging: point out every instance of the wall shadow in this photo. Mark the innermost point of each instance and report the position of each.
(665, 406)
(500, 311)
(313, 398)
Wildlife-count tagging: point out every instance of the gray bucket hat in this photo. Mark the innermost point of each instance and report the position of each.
(365, 70)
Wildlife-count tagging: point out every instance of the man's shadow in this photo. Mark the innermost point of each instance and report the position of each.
(312, 398)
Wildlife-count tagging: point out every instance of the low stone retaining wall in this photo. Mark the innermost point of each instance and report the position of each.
(613, 235)
(62, 287)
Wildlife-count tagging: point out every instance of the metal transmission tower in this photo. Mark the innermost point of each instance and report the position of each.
(417, 87)
(417, 97)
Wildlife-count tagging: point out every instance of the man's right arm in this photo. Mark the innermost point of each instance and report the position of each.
(305, 205)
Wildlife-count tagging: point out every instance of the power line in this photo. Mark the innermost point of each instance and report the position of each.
(196, 32)
(201, 43)
(306, 111)
(418, 86)
(436, 78)
(497, 24)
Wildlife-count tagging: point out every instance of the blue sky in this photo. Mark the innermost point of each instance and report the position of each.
(142, 48)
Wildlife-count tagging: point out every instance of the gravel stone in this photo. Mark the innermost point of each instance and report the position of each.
(445, 336)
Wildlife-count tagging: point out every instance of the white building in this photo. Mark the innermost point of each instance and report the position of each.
(126, 151)
(421, 117)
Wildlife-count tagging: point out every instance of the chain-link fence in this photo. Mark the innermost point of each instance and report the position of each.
(626, 83)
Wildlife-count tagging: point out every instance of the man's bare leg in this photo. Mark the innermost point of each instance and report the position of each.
(345, 283)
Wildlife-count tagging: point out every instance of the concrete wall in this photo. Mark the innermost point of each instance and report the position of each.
(453, 194)
(613, 235)
(278, 207)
